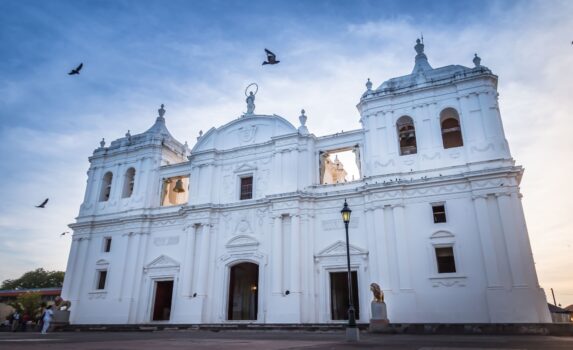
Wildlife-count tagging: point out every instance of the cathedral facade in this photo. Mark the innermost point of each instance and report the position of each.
(245, 227)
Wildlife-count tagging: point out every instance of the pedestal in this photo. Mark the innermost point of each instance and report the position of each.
(352, 334)
(379, 321)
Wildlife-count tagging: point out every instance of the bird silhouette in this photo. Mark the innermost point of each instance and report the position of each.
(63, 233)
(76, 70)
(271, 58)
(43, 205)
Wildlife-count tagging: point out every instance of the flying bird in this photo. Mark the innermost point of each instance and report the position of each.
(63, 233)
(43, 205)
(76, 70)
(271, 58)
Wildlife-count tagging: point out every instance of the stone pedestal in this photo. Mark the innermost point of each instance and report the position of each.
(352, 334)
(379, 321)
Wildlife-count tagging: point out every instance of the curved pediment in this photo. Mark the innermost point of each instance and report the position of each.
(246, 130)
(242, 241)
(442, 234)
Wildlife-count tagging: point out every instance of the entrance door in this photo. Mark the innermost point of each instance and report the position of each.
(243, 292)
(162, 302)
(339, 295)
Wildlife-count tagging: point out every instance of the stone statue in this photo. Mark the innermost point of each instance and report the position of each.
(250, 103)
(62, 304)
(377, 293)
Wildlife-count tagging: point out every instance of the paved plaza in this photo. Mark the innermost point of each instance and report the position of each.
(270, 340)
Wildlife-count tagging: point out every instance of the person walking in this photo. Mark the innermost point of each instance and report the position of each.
(48, 315)
(15, 321)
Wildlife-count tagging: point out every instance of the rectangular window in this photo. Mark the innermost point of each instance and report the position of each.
(102, 275)
(246, 187)
(439, 211)
(445, 260)
(107, 244)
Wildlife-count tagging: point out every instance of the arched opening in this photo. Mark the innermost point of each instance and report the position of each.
(243, 292)
(128, 183)
(451, 130)
(406, 135)
(106, 187)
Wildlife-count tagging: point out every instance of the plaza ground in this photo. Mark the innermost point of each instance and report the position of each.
(271, 340)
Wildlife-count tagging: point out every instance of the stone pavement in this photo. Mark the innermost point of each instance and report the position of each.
(271, 340)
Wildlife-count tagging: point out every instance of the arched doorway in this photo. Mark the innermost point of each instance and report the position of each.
(243, 292)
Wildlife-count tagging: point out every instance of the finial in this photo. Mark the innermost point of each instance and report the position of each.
(102, 143)
(369, 85)
(128, 134)
(161, 111)
(200, 133)
(477, 60)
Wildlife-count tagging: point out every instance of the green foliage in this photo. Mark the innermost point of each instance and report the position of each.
(29, 302)
(38, 278)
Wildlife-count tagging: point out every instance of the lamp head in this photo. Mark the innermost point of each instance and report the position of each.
(345, 212)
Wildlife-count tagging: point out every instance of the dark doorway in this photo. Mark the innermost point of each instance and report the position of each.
(243, 292)
(162, 303)
(339, 295)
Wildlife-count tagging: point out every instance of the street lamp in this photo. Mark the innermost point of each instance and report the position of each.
(351, 330)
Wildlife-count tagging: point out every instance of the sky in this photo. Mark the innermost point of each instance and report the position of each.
(197, 57)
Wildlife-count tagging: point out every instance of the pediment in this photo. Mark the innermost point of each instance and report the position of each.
(442, 234)
(339, 248)
(244, 131)
(242, 241)
(102, 262)
(245, 167)
(162, 261)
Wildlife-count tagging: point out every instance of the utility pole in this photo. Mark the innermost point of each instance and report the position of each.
(554, 302)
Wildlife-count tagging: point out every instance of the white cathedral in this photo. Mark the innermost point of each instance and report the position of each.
(246, 228)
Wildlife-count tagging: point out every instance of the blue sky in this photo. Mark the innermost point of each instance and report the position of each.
(198, 56)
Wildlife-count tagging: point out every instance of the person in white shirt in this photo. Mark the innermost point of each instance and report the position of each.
(48, 315)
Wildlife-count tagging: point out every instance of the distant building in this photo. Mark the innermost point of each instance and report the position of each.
(560, 315)
(246, 226)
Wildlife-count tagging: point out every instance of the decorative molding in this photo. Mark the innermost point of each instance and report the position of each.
(242, 242)
(338, 248)
(161, 262)
(101, 262)
(442, 234)
(448, 281)
(97, 295)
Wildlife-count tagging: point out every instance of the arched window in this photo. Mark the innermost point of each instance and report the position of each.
(406, 135)
(128, 183)
(106, 186)
(451, 131)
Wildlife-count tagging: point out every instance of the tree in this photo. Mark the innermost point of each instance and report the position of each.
(38, 278)
(28, 303)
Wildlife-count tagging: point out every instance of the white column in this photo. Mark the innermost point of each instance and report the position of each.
(373, 252)
(80, 272)
(295, 270)
(402, 247)
(487, 242)
(127, 258)
(70, 270)
(512, 240)
(188, 268)
(381, 247)
(200, 273)
(135, 279)
(277, 255)
(392, 251)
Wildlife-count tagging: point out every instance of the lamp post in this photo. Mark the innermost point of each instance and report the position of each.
(351, 330)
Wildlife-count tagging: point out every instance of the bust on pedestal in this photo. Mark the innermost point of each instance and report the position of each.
(379, 321)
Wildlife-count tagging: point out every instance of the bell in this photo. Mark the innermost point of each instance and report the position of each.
(178, 186)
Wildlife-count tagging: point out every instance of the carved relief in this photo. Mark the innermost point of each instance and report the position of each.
(489, 146)
(247, 134)
(243, 227)
(448, 282)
